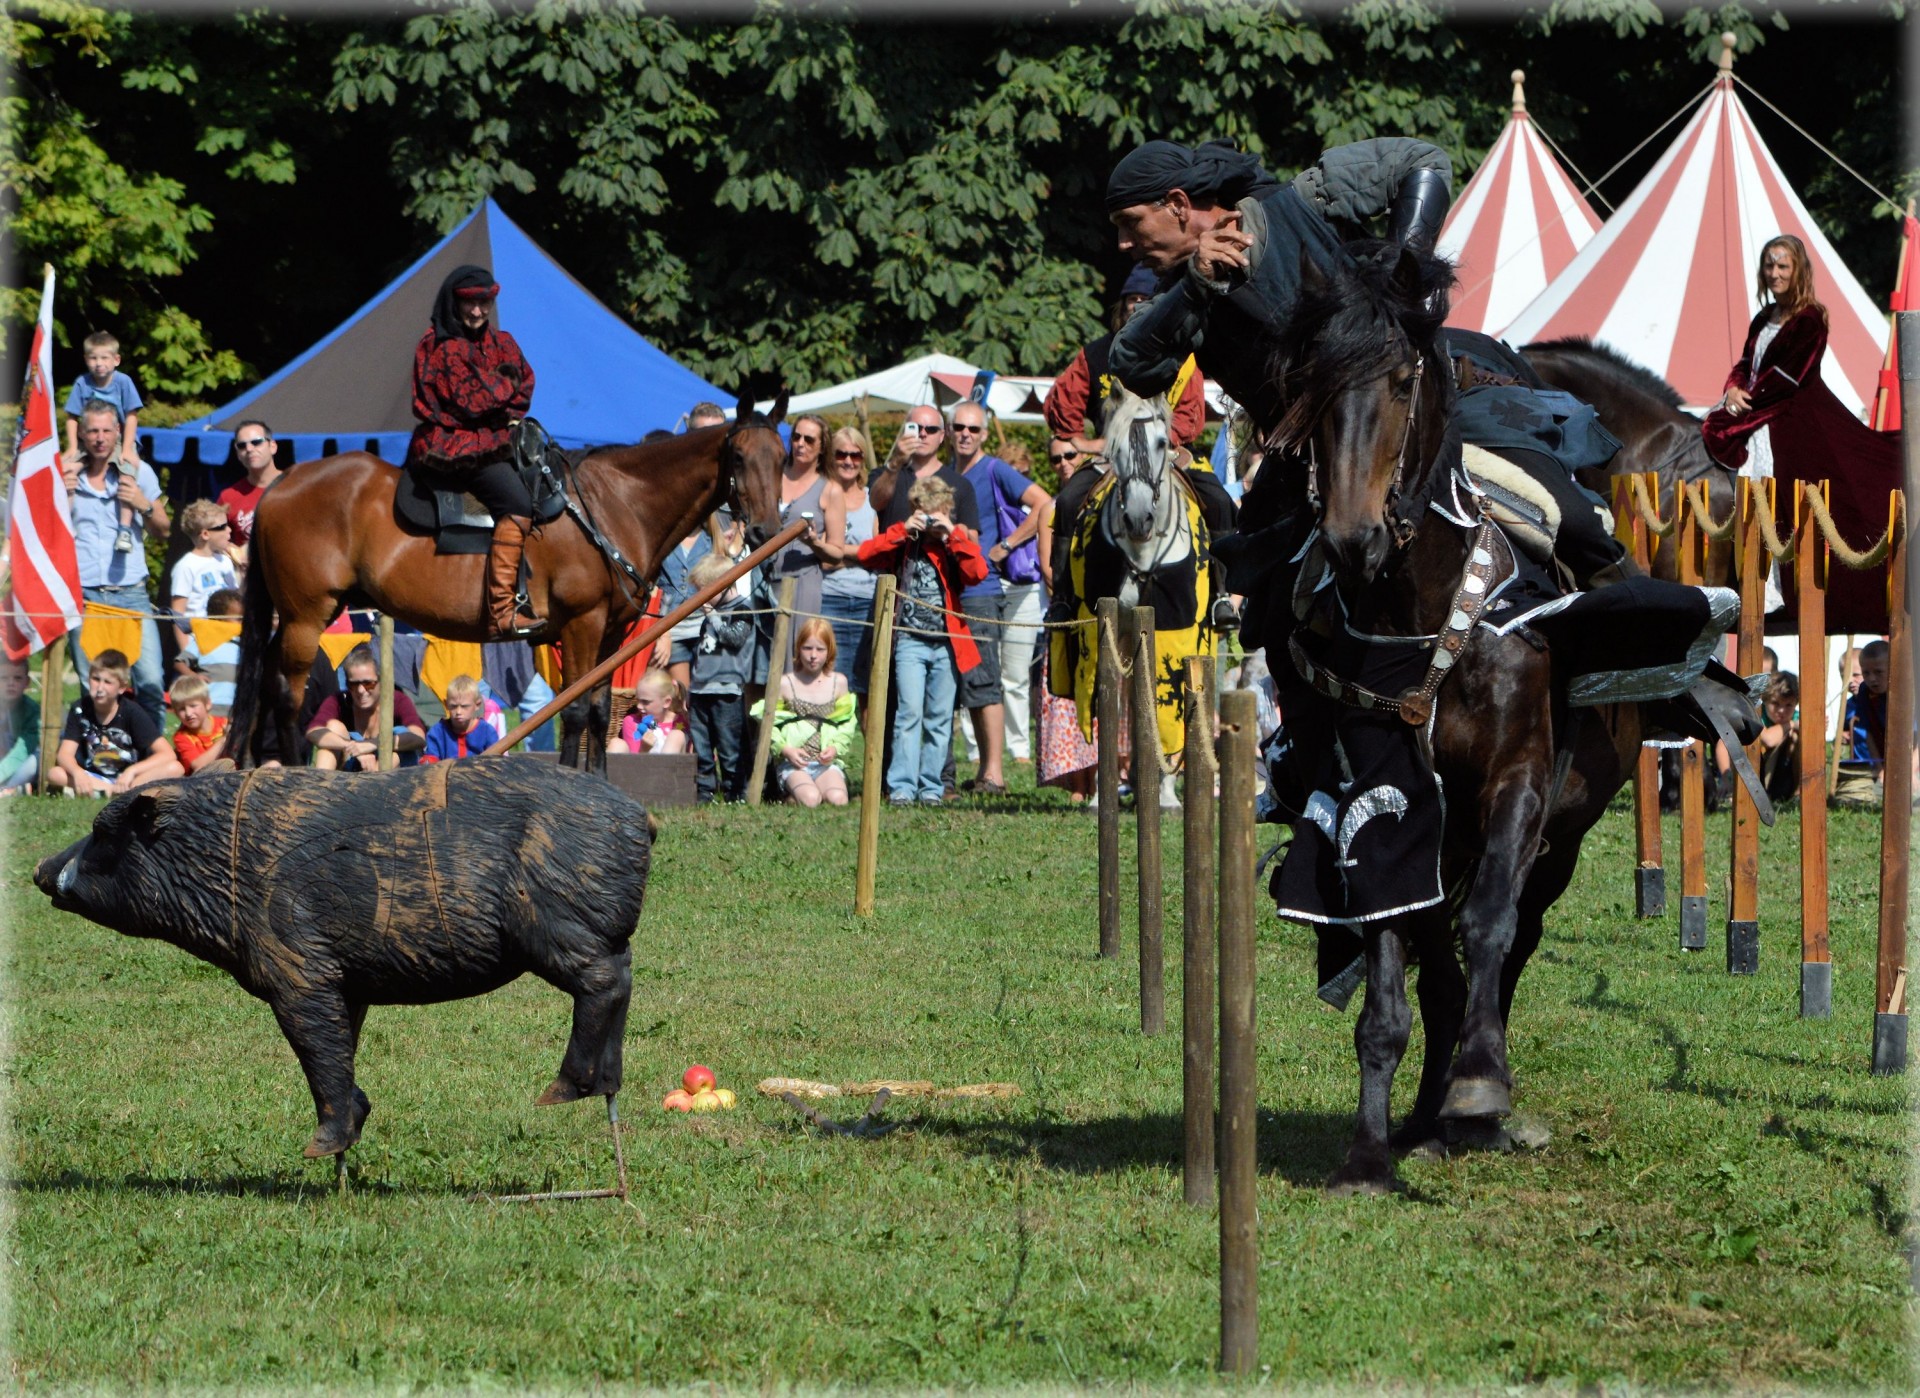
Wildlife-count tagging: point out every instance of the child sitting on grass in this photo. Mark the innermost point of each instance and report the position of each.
(109, 746)
(652, 725)
(19, 731)
(462, 733)
(201, 738)
(813, 720)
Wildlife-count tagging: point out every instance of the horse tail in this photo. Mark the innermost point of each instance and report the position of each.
(252, 682)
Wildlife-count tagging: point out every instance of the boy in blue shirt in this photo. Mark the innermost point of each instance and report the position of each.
(462, 733)
(103, 380)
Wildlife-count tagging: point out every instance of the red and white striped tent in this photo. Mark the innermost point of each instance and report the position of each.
(1669, 279)
(1515, 226)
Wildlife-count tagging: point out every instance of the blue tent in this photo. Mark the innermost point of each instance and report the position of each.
(596, 379)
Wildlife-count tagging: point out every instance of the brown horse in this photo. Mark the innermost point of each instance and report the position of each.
(326, 537)
(1370, 413)
(1656, 434)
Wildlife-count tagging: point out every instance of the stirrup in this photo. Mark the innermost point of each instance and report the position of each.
(1224, 615)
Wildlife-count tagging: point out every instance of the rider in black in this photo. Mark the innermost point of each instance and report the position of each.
(1228, 240)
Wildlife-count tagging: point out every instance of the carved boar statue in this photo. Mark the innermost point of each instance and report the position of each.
(323, 893)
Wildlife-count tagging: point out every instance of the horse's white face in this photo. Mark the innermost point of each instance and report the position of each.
(1140, 445)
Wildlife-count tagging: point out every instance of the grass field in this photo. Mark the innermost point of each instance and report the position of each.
(1725, 1200)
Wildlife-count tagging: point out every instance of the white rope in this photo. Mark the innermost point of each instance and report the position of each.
(1871, 187)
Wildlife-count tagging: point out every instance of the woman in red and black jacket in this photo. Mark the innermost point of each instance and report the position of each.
(1785, 344)
(470, 383)
(935, 559)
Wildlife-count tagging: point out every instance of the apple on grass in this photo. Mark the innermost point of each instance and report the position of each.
(678, 1100)
(697, 1078)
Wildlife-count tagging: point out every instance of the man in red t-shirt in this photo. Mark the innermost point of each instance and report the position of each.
(253, 448)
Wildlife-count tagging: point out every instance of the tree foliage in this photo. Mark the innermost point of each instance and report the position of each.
(788, 192)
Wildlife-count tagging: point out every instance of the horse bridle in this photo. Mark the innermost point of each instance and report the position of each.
(1401, 526)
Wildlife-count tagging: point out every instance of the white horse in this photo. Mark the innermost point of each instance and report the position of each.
(1146, 532)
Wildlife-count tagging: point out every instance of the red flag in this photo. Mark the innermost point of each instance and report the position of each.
(1905, 297)
(43, 601)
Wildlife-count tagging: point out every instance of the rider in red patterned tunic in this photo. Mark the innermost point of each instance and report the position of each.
(470, 383)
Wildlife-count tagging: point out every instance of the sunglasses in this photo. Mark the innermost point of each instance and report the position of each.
(212, 528)
(363, 684)
(251, 441)
(923, 429)
(968, 427)
(1063, 456)
(803, 437)
(849, 456)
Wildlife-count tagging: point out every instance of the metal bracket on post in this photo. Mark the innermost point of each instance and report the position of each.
(1650, 891)
(1693, 923)
(1816, 990)
(1743, 947)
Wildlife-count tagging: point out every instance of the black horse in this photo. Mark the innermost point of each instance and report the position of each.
(1656, 435)
(1370, 400)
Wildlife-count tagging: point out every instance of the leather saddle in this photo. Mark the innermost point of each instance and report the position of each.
(438, 502)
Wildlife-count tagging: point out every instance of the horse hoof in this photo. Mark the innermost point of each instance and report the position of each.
(323, 1145)
(1426, 1148)
(1345, 1183)
(1478, 1133)
(1473, 1097)
(558, 1091)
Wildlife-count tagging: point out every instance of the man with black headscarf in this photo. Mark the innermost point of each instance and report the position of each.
(470, 383)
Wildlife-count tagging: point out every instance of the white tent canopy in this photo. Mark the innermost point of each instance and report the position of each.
(1669, 279)
(1515, 226)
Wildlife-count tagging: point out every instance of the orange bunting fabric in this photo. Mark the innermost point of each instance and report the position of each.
(111, 628)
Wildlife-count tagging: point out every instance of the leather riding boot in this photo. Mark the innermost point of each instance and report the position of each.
(511, 613)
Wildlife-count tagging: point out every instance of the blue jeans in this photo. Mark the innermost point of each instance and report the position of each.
(925, 680)
(852, 635)
(148, 691)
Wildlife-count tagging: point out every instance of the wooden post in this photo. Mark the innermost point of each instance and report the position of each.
(635, 644)
(1743, 910)
(1200, 871)
(383, 744)
(1146, 825)
(1896, 808)
(1106, 708)
(770, 701)
(1239, 1088)
(1693, 796)
(1650, 874)
(53, 708)
(873, 779)
(1810, 563)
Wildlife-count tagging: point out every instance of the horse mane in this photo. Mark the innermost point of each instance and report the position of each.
(1339, 331)
(1605, 357)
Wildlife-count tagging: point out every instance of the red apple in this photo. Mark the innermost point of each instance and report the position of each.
(677, 1101)
(697, 1077)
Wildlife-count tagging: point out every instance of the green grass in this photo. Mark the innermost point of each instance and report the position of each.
(1724, 1202)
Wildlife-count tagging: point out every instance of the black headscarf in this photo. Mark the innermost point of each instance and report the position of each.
(463, 283)
(1214, 173)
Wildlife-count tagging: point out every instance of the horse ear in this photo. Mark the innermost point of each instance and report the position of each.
(1406, 274)
(1312, 278)
(779, 408)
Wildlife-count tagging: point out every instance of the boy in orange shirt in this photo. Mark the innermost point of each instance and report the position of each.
(201, 738)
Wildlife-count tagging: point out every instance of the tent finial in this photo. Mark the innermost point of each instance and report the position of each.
(1727, 42)
(1519, 92)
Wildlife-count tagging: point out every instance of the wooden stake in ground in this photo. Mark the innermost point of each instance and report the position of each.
(873, 779)
(53, 705)
(1896, 809)
(1239, 1087)
(1743, 906)
(1106, 708)
(383, 745)
(1146, 824)
(1650, 874)
(1200, 869)
(770, 701)
(1693, 796)
(1810, 563)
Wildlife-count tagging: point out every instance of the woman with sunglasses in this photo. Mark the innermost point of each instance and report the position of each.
(801, 485)
(846, 589)
(345, 729)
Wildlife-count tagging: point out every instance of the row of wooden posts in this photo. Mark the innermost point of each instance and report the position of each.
(1812, 557)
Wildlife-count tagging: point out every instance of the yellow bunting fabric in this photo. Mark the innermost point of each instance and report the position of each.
(546, 661)
(444, 659)
(210, 634)
(337, 643)
(111, 628)
(1179, 595)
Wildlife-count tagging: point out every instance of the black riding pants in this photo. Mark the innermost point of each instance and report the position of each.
(498, 486)
(1583, 543)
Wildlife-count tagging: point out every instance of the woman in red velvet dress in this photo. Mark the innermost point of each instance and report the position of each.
(1785, 344)
(470, 382)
